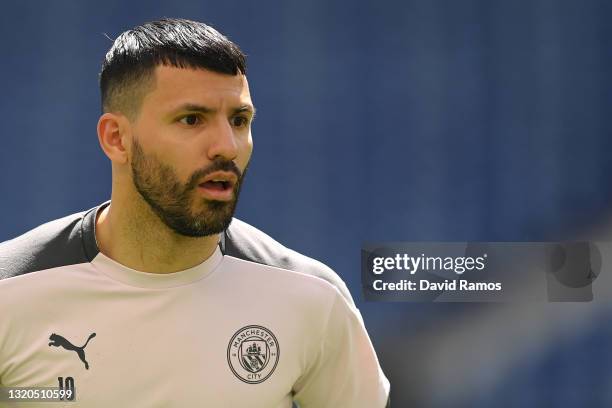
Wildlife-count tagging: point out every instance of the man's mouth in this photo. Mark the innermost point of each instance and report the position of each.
(218, 186)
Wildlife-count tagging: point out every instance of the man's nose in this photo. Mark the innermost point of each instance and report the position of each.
(222, 141)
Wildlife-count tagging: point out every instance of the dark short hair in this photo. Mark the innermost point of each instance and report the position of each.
(128, 68)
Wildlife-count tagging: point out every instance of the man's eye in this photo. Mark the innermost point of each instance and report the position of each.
(239, 121)
(190, 120)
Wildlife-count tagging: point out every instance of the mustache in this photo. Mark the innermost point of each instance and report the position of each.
(217, 165)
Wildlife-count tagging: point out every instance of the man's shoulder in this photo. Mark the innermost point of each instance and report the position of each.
(55, 243)
(71, 240)
(246, 242)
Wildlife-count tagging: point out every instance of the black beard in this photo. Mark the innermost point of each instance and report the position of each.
(172, 201)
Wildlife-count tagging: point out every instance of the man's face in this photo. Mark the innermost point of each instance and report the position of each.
(191, 146)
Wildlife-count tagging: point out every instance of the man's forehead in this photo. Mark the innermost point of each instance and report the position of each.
(174, 82)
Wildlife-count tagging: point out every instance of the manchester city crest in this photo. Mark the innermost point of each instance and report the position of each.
(252, 354)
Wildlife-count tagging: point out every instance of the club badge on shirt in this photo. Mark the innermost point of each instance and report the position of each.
(252, 354)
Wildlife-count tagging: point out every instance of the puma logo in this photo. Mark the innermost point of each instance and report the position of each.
(56, 340)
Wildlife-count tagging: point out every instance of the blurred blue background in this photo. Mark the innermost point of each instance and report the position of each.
(395, 120)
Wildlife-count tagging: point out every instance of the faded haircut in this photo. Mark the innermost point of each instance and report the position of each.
(128, 69)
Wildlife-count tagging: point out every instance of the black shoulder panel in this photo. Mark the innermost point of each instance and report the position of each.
(247, 242)
(56, 243)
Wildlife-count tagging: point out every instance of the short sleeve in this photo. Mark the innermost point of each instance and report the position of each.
(345, 372)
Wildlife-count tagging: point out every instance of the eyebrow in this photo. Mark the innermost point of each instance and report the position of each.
(205, 109)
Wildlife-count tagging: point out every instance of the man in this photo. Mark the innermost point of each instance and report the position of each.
(153, 299)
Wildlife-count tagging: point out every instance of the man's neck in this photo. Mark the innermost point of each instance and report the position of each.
(135, 237)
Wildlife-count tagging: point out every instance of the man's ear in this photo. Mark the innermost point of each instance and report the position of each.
(113, 135)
